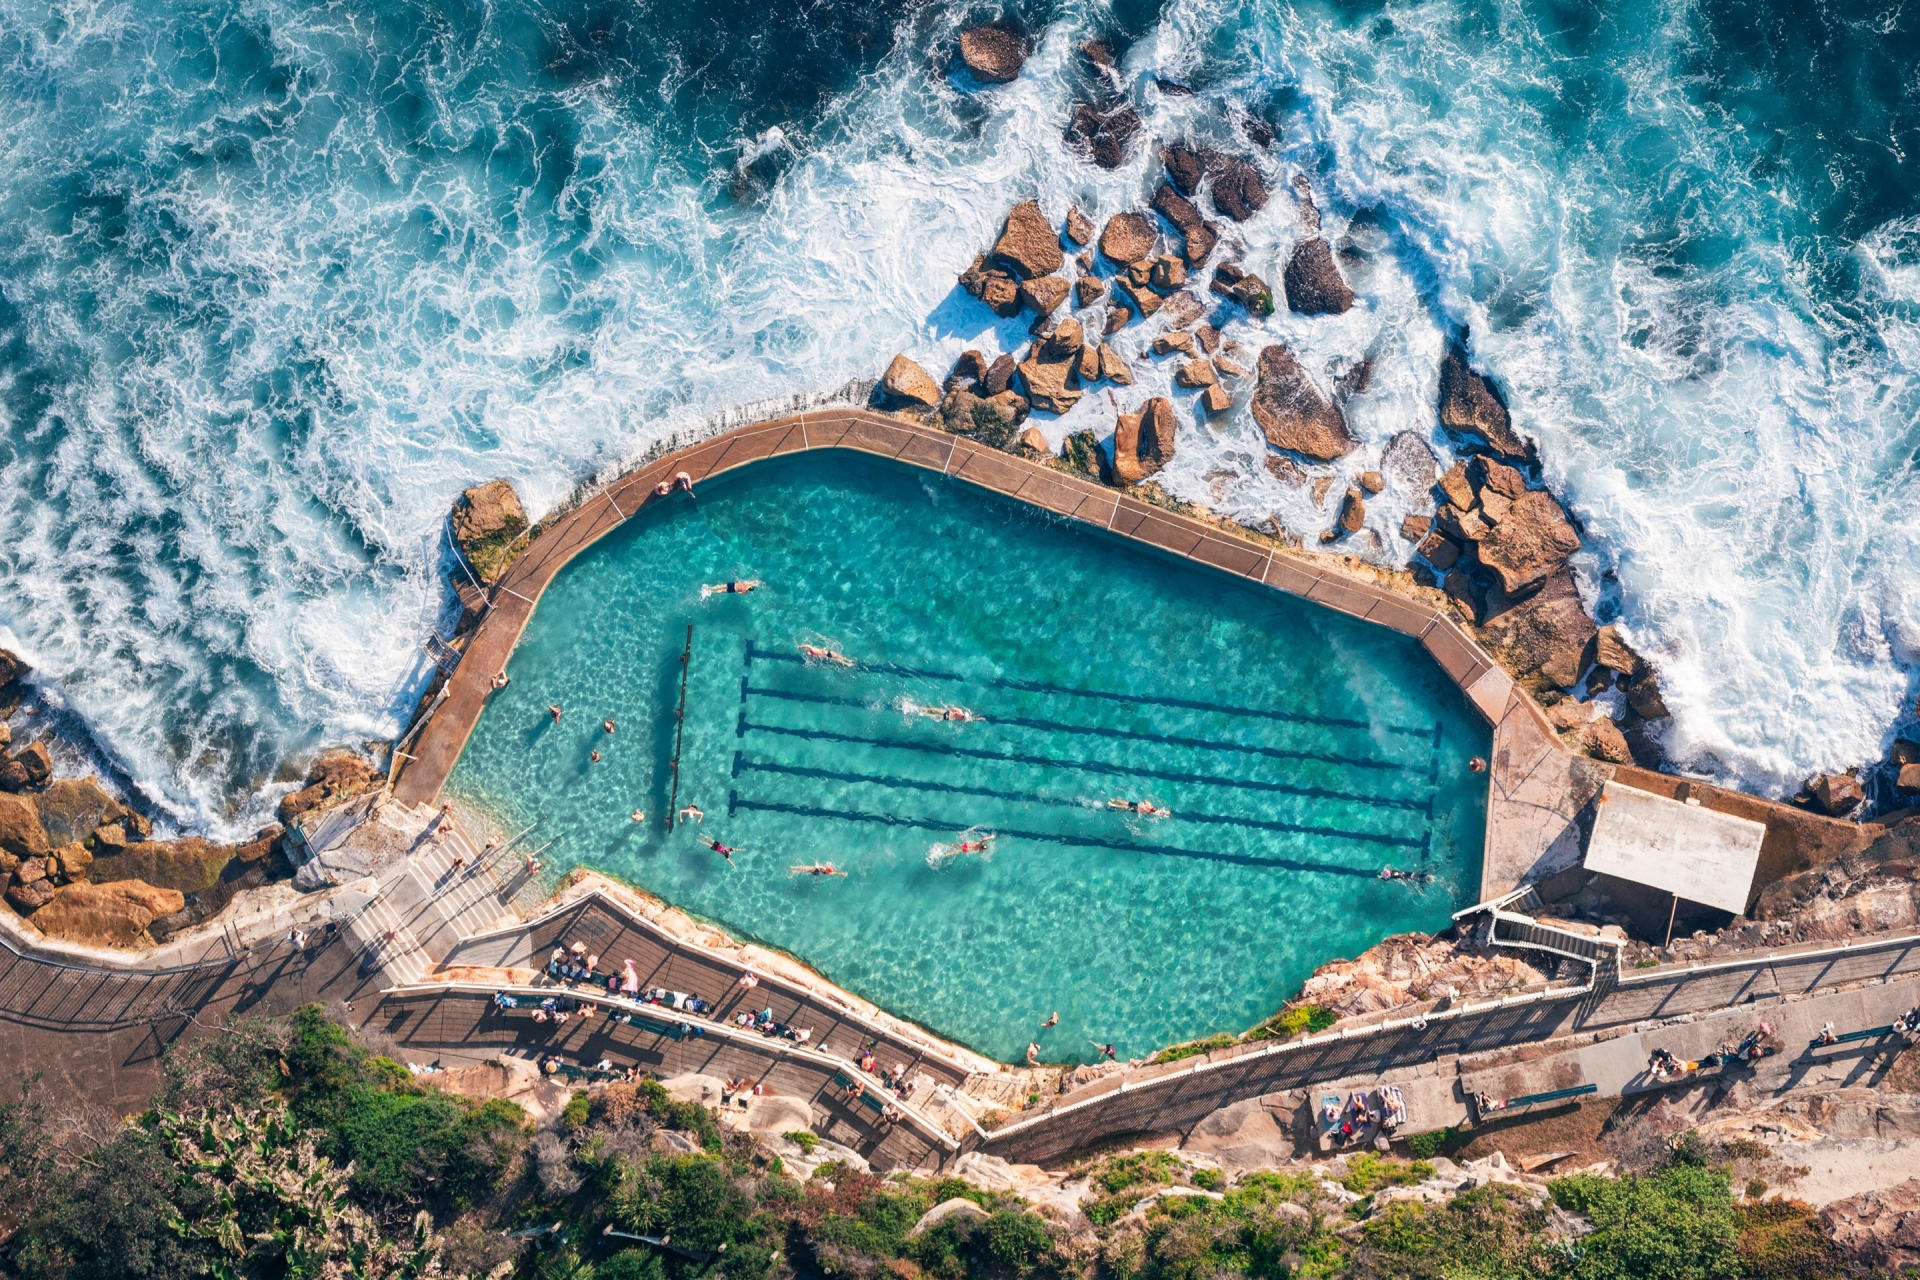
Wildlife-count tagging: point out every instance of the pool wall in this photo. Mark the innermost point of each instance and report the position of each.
(1531, 810)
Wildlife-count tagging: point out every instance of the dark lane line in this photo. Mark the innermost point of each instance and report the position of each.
(1125, 735)
(735, 801)
(1294, 717)
(742, 764)
(884, 668)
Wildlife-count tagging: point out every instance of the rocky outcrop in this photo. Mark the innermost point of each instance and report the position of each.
(335, 776)
(993, 52)
(905, 382)
(1143, 442)
(1470, 403)
(1411, 968)
(1079, 226)
(1103, 134)
(1028, 245)
(1603, 740)
(1293, 413)
(997, 288)
(490, 527)
(1044, 294)
(191, 865)
(1196, 373)
(1113, 368)
(1837, 794)
(1197, 235)
(1314, 284)
(28, 768)
(74, 808)
(1127, 238)
(1546, 633)
(1878, 1229)
(1530, 540)
(1049, 376)
(1353, 512)
(1185, 168)
(992, 420)
(21, 833)
(1238, 190)
(106, 915)
(1243, 287)
(12, 667)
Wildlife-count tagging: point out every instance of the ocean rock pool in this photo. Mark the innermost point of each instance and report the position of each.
(1300, 751)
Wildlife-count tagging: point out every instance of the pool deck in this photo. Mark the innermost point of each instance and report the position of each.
(1537, 786)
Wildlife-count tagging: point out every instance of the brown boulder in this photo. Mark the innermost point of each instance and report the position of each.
(1546, 633)
(1493, 479)
(1198, 238)
(1079, 226)
(906, 381)
(1532, 541)
(1238, 190)
(1000, 291)
(1103, 134)
(1182, 308)
(1113, 368)
(1216, 399)
(1371, 481)
(1169, 273)
(72, 808)
(1469, 402)
(1602, 740)
(1610, 651)
(1049, 381)
(14, 777)
(1143, 442)
(191, 865)
(1314, 284)
(1907, 782)
(1032, 439)
(1441, 551)
(490, 526)
(73, 860)
(1000, 374)
(1184, 167)
(1087, 291)
(994, 53)
(1456, 488)
(1293, 413)
(968, 371)
(1167, 343)
(1067, 339)
(1643, 695)
(20, 829)
(333, 777)
(1117, 317)
(1196, 373)
(12, 666)
(107, 915)
(1028, 245)
(992, 420)
(1837, 794)
(37, 763)
(1127, 238)
(1353, 512)
(31, 870)
(1415, 528)
(1083, 453)
(1243, 287)
(31, 897)
(1044, 294)
(1138, 296)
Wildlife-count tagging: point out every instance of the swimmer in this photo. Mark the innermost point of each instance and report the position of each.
(555, 713)
(977, 846)
(959, 715)
(500, 680)
(1146, 808)
(815, 869)
(594, 755)
(533, 864)
(817, 654)
(1477, 765)
(738, 588)
(1053, 1020)
(692, 811)
(725, 851)
(1413, 877)
(1033, 1053)
(607, 725)
(639, 815)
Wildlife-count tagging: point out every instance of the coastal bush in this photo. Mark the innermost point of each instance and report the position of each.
(1425, 1146)
(1367, 1173)
(1491, 1233)
(623, 1104)
(806, 1139)
(1271, 1225)
(1194, 1048)
(1782, 1240)
(1674, 1225)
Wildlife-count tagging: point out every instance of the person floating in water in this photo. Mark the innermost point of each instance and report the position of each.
(725, 851)
(1145, 808)
(555, 713)
(816, 869)
(692, 811)
(815, 653)
(500, 680)
(607, 724)
(1477, 765)
(1416, 877)
(594, 755)
(1053, 1020)
(738, 588)
(970, 841)
(977, 846)
(639, 815)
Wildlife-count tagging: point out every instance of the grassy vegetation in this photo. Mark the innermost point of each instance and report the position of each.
(1194, 1048)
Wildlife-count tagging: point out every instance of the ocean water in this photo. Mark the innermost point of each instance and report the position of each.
(278, 280)
(1298, 750)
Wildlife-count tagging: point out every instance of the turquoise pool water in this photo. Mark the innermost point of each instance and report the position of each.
(1299, 751)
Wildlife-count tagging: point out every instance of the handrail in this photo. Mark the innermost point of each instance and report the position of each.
(724, 1031)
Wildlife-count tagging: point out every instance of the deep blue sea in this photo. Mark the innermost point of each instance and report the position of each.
(278, 280)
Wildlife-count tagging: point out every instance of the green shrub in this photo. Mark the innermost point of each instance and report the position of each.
(1210, 1179)
(1675, 1225)
(576, 1113)
(1491, 1233)
(1783, 1240)
(1305, 1017)
(1142, 1168)
(1268, 1226)
(1194, 1048)
(1367, 1173)
(806, 1139)
(1425, 1146)
(409, 1146)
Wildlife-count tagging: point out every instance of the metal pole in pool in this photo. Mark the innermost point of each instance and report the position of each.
(680, 726)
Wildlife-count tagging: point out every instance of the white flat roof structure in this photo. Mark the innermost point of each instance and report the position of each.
(1691, 852)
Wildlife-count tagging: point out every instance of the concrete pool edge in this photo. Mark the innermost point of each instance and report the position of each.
(513, 600)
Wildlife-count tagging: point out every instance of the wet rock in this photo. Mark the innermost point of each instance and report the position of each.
(1238, 190)
(1082, 452)
(1185, 168)
(12, 667)
(1001, 294)
(1065, 341)
(1371, 481)
(1415, 528)
(1089, 364)
(1467, 526)
(1113, 368)
(1457, 489)
(1103, 134)
(1243, 287)
(1049, 381)
(36, 763)
(905, 381)
(993, 52)
(31, 871)
(1198, 238)
(1000, 374)
(14, 776)
(1028, 245)
(1044, 294)
(1314, 284)
(1195, 373)
(1169, 273)
(1531, 542)
(1167, 343)
(1470, 403)
(1079, 226)
(1441, 551)
(1610, 650)
(968, 372)
(1182, 308)
(1293, 413)
(21, 833)
(1208, 337)
(1603, 741)
(1117, 318)
(107, 915)
(1143, 442)
(73, 808)
(1907, 781)
(333, 777)
(1032, 439)
(1216, 399)
(1353, 512)
(1127, 238)
(74, 860)
(1087, 291)
(1837, 794)
(27, 898)
(1257, 131)
(191, 865)
(1227, 368)
(1547, 632)
(992, 420)
(490, 527)
(1139, 297)
(1099, 55)
(1493, 479)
